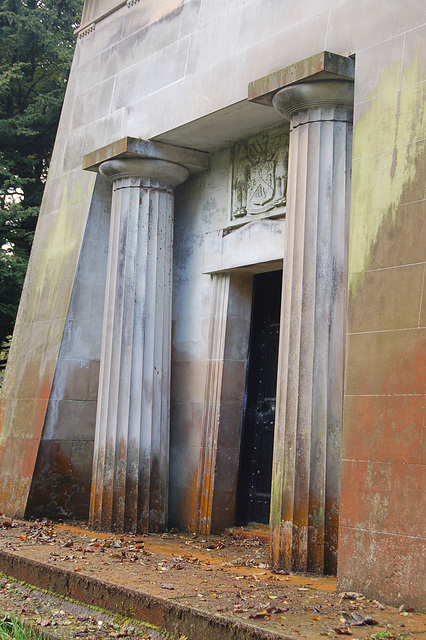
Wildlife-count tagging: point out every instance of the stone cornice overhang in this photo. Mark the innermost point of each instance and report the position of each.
(321, 66)
(128, 147)
(88, 25)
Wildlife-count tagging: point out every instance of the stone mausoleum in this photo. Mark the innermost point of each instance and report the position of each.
(224, 315)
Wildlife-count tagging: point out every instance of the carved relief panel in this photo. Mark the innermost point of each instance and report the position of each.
(259, 176)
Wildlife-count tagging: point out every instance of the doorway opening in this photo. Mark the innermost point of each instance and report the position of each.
(257, 441)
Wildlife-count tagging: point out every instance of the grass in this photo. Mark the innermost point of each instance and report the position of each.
(387, 635)
(11, 627)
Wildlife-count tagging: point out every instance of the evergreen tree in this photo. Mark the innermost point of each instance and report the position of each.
(36, 48)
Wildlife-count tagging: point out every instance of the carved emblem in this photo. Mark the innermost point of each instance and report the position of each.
(259, 175)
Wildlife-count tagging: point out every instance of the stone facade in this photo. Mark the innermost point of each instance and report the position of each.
(202, 143)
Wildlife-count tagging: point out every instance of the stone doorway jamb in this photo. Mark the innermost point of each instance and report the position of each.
(131, 452)
(316, 95)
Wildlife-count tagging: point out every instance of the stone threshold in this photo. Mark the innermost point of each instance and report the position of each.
(252, 531)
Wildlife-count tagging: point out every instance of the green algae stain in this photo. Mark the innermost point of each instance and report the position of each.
(386, 161)
(318, 516)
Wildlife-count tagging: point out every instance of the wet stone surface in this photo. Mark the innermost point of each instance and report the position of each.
(58, 617)
(223, 575)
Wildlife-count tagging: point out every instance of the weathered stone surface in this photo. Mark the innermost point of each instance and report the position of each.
(131, 450)
(306, 484)
(177, 73)
(381, 540)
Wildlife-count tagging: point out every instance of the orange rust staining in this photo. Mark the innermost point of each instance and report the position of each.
(58, 488)
(28, 457)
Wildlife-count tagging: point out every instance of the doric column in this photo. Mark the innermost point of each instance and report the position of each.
(306, 468)
(131, 453)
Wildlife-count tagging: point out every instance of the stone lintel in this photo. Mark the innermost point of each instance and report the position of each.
(321, 66)
(128, 147)
(255, 247)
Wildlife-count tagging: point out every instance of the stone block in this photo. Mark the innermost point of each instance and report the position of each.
(161, 69)
(397, 17)
(230, 423)
(96, 10)
(45, 339)
(188, 381)
(167, 13)
(83, 140)
(412, 166)
(414, 61)
(181, 507)
(386, 363)
(93, 104)
(257, 245)
(74, 383)
(378, 70)
(237, 338)
(34, 378)
(108, 32)
(12, 486)
(201, 46)
(189, 336)
(389, 299)
(400, 237)
(92, 394)
(422, 314)
(373, 132)
(366, 198)
(75, 420)
(184, 467)
(83, 305)
(234, 381)
(185, 424)
(223, 513)
(62, 478)
(411, 123)
(381, 496)
(384, 428)
(26, 415)
(240, 295)
(389, 568)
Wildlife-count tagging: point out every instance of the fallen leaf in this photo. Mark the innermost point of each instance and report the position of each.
(343, 631)
(370, 621)
(259, 614)
(350, 595)
(358, 619)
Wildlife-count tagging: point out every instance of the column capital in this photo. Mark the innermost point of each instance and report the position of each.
(162, 171)
(135, 148)
(321, 66)
(318, 95)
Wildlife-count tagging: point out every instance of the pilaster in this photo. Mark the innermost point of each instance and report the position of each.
(212, 400)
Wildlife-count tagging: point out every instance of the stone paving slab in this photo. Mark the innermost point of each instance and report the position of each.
(199, 587)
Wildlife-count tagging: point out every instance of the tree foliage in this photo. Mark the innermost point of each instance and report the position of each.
(37, 43)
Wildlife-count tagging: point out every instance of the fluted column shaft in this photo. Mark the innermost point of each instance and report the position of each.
(306, 469)
(131, 466)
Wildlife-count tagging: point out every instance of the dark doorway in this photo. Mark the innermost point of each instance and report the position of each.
(255, 470)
